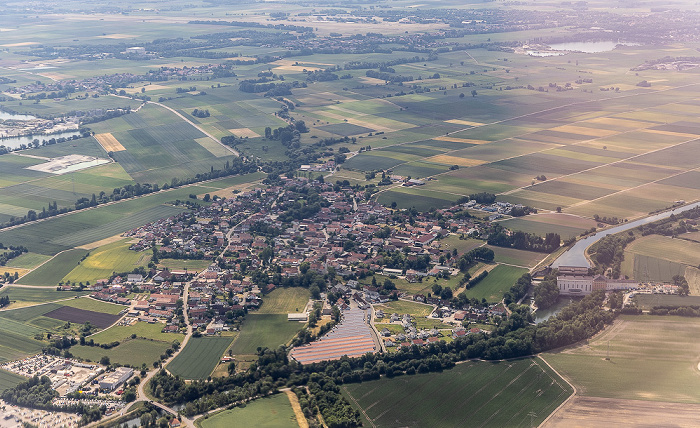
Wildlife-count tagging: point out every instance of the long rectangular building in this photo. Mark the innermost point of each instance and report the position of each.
(570, 285)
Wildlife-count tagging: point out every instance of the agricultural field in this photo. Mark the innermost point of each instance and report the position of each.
(498, 281)
(652, 358)
(135, 352)
(140, 329)
(515, 257)
(487, 393)
(269, 412)
(50, 273)
(101, 262)
(90, 304)
(23, 296)
(264, 330)
(284, 301)
(659, 258)
(648, 301)
(9, 380)
(567, 226)
(81, 316)
(200, 357)
(57, 234)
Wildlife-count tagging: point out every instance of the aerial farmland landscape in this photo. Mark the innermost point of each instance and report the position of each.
(241, 213)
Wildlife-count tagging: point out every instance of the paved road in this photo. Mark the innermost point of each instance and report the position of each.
(140, 391)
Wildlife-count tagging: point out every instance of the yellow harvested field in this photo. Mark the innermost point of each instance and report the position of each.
(680, 134)
(109, 143)
(101, 242)
(56, 76)
(214, 147)
(582, 130)
(371, 80)
(16, 45)
(294, 401)
(622, 123)
(12, 270)
(455, 160)
(464, 122)
(244, 132)
(283, 62)
(460, 140)
(117, 36)
(297, 68)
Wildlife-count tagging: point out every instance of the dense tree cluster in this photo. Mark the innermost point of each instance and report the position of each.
(609, 252)
(13, 251)
(520, 240)
(546, 292)
(518, 290)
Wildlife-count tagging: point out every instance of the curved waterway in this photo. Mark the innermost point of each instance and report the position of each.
(575, 256)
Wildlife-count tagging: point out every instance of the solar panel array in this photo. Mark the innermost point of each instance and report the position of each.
(351, 337)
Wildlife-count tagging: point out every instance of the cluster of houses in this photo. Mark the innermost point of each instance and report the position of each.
(256, 242)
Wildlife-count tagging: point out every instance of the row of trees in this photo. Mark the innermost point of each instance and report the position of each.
(513, 337)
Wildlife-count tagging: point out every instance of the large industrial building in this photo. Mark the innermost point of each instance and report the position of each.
(112, 380)
(577, 282)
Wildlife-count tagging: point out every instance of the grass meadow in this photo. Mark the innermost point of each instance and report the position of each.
(140, 329)
(269, 412)
(498, 281)
(134, 352)
(284, 301)
(264, 330)
(103, 261)
(199, 358)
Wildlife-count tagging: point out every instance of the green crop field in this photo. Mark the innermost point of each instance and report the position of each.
(28, 260)
(50, 273)
(264, 330)
(140, 329)
(512, 256)
(284, 301)
(29, 313)
(200, 357)
(90, 304)
(498, 281)
(651, 358)
(648, 301)
(269, 412)
(134, 352)
(102, 261)
(23, 296)
(659, 258)
(486, 394)
(9, 380)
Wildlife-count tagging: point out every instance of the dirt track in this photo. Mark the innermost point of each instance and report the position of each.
(596, 412)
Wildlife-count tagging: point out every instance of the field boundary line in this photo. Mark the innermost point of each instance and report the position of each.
(565, 401)
(294, 401)
(360, 407)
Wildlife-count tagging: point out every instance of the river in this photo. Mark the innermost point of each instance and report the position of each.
(575, 256)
